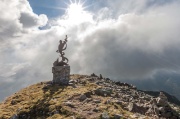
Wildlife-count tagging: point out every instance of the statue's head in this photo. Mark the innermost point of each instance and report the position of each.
(60, 41)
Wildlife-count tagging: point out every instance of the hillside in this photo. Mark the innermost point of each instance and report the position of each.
(86, 97)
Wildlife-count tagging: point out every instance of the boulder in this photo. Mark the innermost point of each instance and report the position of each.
(133, 107)
(88, 94)
(162, 100)
(82, 97)
(103, 91)
(152, 111)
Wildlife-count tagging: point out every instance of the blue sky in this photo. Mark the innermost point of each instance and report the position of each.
(127, 40)
(57, 8)
(48, 7)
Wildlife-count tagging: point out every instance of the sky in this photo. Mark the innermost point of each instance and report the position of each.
(134, 41)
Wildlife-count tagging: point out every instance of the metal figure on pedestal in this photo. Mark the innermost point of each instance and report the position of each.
(62, 46)
(61, 69)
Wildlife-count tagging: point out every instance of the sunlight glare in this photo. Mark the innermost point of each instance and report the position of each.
(76, 14)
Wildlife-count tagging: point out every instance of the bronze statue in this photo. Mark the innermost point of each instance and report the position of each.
(62, 46)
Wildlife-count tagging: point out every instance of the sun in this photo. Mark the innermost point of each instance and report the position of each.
(75, 8)
(76, 12)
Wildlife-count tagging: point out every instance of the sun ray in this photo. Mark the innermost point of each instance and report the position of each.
(66, 3)
(79, 2)
(71, 2)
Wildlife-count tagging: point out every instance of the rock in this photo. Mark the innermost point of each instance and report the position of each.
(139, 116)
(103, 91)
(45, 87)
(13, 102)
(72, 117)
(118, 116)
(107, 79)
(97, 101)
(71, 81)
(163, 96)
(167, 115)
(119, 102)
(153, 110)
(94, 75)
(82, 97)
(108, 101)
(100, 76)
(99, 82)
(153, 101)
(56, 112)
(133, 107)
(161, 109)
(104, 115)
(88, 94)
(15, 116)
(96, 110)
(162, 100)
(73, 85)
(70, 104)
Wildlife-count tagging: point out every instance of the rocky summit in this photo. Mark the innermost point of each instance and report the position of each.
(87, 97)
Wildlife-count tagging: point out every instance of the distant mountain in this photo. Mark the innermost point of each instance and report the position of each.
(170, 98)
(161, 82)
(88, 97)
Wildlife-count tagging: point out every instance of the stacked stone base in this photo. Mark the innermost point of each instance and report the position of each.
(61, 75)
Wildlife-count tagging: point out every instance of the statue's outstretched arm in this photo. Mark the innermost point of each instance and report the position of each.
(66, 38)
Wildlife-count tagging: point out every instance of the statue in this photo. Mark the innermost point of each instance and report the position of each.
(61, 69)
(62, 46)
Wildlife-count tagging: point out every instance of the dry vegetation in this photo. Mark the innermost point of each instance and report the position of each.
(82, 99)
(46, 101)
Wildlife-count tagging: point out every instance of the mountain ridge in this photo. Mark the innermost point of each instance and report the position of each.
(86, 97)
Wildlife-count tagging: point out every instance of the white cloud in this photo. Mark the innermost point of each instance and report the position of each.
(32, 20)
(15, 39)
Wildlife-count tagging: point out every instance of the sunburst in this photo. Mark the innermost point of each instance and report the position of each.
(75, 7)
(75, 14)
(75, 11)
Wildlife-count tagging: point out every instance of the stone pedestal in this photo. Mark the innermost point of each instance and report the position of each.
(61, 74)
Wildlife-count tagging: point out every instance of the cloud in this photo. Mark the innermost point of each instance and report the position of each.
(17, 23)
(136, 41)
(132, 46)
(135, 46)
(31, 20)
